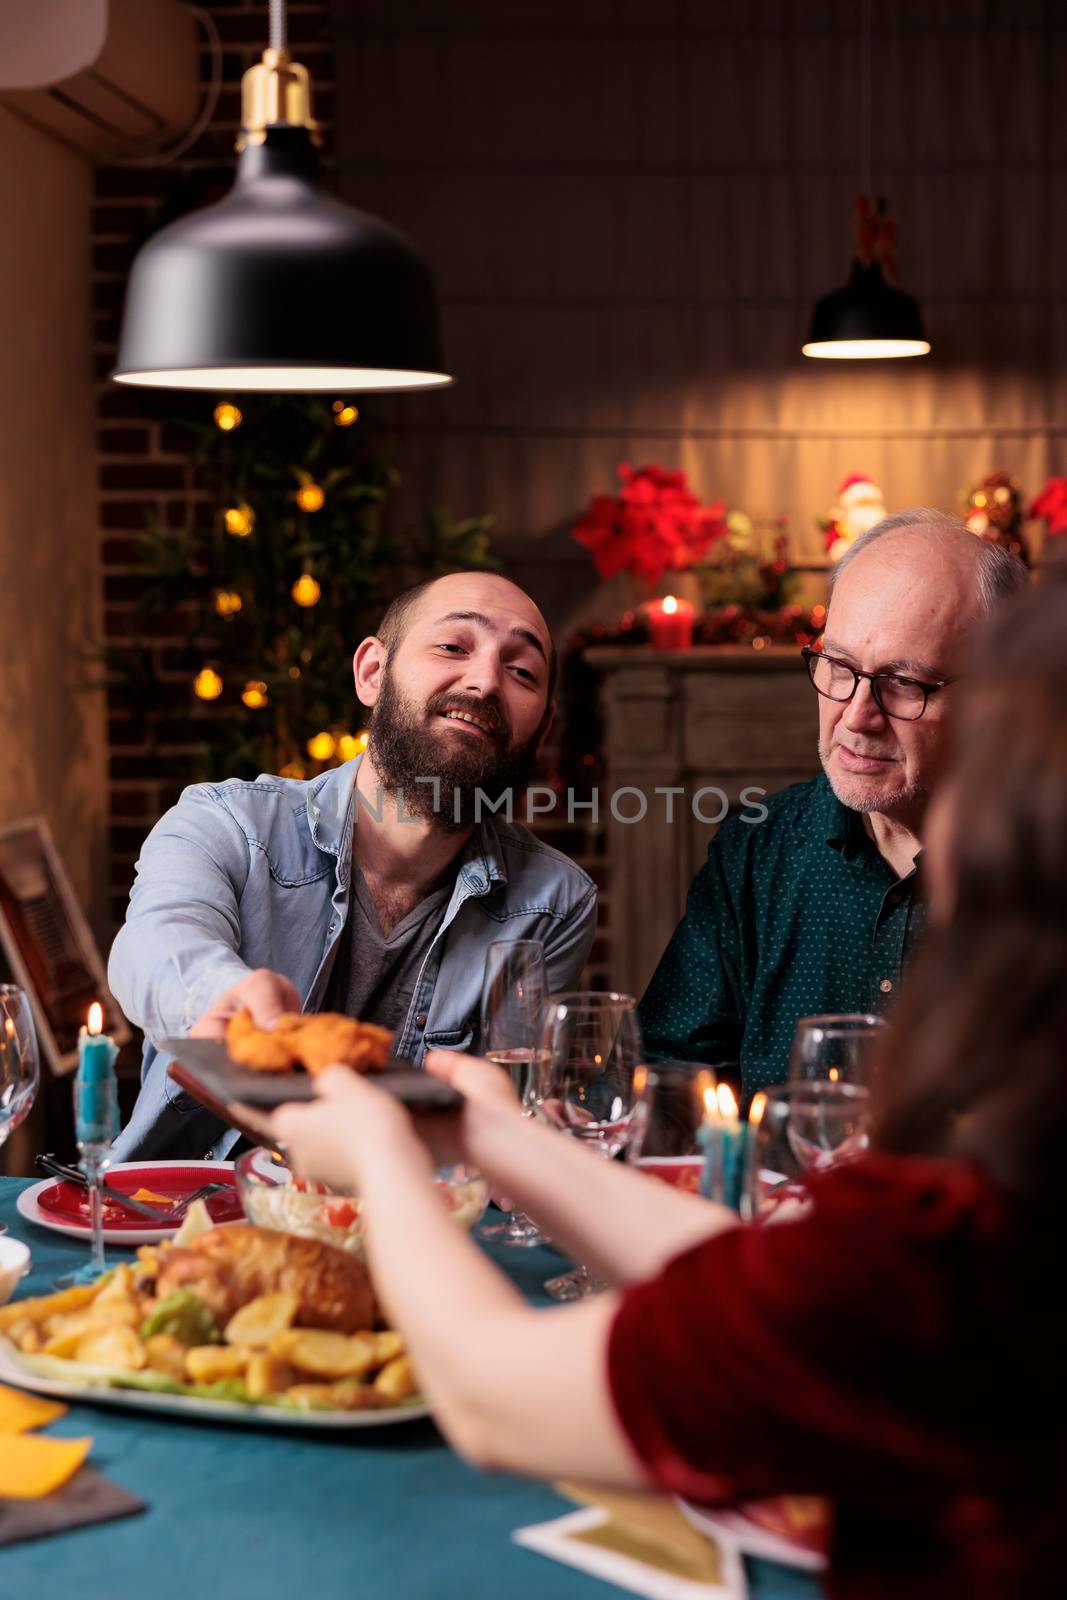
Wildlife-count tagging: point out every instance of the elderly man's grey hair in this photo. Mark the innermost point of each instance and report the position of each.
(1000, 574)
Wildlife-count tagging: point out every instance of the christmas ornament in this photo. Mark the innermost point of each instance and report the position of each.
(207, 685)
(227, 417)
(239, 520)
(254, 694)
(305, 591)
(994, 511)
(654, 524)
(860, 504)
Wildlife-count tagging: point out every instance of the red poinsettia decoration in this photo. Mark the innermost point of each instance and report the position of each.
(654, 523)
(1051, 506)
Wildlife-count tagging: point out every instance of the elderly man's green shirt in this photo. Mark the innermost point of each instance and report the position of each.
(790, 916)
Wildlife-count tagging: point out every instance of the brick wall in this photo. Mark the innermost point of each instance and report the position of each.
(144, 470)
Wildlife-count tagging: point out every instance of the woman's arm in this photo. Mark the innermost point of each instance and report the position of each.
(619, 1222)
(512, 1388)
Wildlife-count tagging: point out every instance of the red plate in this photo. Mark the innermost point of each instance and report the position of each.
(68, 1204)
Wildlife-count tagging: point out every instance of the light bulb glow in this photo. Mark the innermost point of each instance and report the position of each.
(321, 746)
(227, 417)
(306, 591)
(239, 520)
(865, 349)
(207, 685)
(284, 379)
(254, 695)
(310, 497)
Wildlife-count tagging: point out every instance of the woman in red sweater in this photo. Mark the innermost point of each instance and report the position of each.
(896, 1348)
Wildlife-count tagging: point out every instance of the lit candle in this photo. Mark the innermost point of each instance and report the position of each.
(96, 1103)
(670, 623)
(723, 1139)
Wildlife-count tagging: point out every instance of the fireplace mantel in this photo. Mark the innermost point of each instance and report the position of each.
(725, 717)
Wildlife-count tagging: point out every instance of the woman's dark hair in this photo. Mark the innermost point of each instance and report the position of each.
(977, 1060)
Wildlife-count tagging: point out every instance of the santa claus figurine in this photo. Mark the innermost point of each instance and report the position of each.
(860, 504)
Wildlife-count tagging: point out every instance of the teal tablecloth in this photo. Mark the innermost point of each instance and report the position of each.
(248, 1514)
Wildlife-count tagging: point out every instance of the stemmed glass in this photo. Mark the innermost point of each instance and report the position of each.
(592, 1049)
(841, 1048)
(672, 1100)
(20, 1072)
(794, 1130)
(514, 994)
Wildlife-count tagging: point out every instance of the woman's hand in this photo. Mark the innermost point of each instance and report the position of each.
(479, 1082)
(329, 1138)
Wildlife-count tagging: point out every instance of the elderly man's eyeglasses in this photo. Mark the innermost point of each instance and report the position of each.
(895, 695)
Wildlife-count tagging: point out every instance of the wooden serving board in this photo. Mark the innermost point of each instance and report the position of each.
(208, 1073)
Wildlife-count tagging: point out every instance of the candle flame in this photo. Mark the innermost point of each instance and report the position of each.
(710, 1103)
(727, 1100)
(96, 1017)
(757, 1108)
(670, 605)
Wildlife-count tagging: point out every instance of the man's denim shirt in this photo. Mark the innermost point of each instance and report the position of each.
(243, 875)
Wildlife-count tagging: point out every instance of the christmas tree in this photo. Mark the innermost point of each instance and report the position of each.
(292, 561)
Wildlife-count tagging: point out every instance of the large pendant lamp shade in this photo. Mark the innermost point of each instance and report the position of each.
(278, 286)
(866, 319)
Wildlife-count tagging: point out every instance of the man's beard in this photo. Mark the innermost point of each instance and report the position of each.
(409, 754)
(906, 796)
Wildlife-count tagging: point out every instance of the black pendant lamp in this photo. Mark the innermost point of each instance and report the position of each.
(278, 286)
(867, 318)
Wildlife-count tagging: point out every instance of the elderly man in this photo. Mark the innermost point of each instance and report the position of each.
(817, 908)
(374, 889)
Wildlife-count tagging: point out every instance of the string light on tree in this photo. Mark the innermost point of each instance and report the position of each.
(239, 520)
(306, 591)
(254, 694)
(227, 416)
(350, 745)
(344, 415)
(310, 497)
(207, 685)
(321, 746)
(293, 769)
(227, 602)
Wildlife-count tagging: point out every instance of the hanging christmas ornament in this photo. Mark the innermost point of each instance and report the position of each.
(344, 415)
(227, 602)
(227, 416)
(321, 747)
(305, 591)
(207, 685)
(239, 520)
(254, 695)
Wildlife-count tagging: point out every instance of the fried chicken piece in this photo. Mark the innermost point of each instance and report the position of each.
(263, 1049)
(227, 1267)
(317, 1041)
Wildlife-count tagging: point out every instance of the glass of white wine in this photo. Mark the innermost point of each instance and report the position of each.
(514, 994)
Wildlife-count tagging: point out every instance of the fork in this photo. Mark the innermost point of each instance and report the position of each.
(59, 1169)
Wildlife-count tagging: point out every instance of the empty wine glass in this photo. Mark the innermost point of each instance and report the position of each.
(20, 1071)
(842, 1049)
(592, 1049)
(796, 1129)
(514, 993)
(672, 1102)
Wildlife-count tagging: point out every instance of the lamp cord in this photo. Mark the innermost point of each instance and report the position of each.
(211, 99)
(279, 33)
(865, 100)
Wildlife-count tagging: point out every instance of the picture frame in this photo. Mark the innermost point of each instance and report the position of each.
(48, 945)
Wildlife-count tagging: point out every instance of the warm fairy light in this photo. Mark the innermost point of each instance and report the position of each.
(96, 1018)
(818, 614)
(305, 591)
(321, 746)
(227, 417)
(309, 497)
(239, 520)
(344, 415)
(207, 685)
(293, 769)
(294, 672)
(227, 602)
(670, 605)
(350, 745)
(757, 1108)
(254, 695)
(726, 1101)
(834, 1075)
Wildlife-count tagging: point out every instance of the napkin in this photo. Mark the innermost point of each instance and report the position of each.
(640, 1542)
(87, 1497)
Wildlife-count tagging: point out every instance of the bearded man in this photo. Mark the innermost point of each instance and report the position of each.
(374, 889)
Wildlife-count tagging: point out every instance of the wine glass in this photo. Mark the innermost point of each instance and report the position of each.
(514, 993)
(20, 1072)
(796, 1129)
(672, 1102)
(592, 1047)
(841, 1048)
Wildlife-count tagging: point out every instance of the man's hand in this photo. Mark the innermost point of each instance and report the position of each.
(264, 993)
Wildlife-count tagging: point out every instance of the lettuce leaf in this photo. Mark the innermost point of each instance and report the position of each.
(184, 1315)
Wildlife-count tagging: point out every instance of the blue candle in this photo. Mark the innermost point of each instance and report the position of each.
(722, 1139)
(96, 1100)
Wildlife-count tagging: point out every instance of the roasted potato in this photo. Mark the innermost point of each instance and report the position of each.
(311, 1396)
(325, 1354)
(267, 1374)
(119, 1286)
(42, 1306)
(164, 1353)
(396, 1381)
(207, 1363)
(261, 1320)
(111, 1347)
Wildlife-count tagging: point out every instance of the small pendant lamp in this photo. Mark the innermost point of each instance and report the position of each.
(867, 318)
(278, 286)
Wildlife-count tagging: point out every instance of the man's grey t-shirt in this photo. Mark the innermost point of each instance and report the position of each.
(374, 977)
